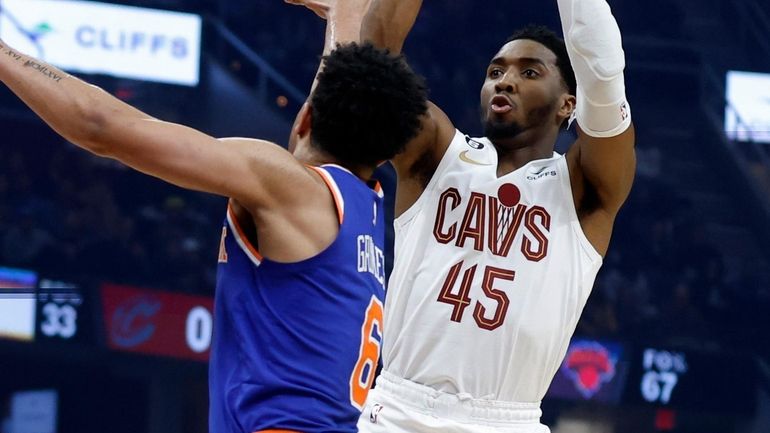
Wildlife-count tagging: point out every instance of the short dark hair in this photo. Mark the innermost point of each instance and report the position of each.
(550, 40)
(366, 105)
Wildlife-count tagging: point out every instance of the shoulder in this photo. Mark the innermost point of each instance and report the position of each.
(277, 179)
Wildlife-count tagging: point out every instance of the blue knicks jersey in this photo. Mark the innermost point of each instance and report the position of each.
(296, 345)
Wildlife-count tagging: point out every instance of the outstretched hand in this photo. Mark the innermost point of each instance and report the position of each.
(327, 8)
(320, 7)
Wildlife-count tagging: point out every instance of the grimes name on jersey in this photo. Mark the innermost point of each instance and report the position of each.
(492, 223)
(370, 258)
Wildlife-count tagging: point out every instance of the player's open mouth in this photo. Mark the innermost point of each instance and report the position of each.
(500, 104)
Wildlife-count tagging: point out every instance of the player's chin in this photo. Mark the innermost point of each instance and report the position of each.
(497, 121)
(501, 128)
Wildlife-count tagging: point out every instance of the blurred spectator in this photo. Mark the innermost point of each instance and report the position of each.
(68, 221)
(24, 241)
(682, 322)
(599, 318)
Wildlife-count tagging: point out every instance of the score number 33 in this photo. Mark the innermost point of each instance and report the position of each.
(461, 300)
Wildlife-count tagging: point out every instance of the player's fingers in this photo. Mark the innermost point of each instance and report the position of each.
(318, 8)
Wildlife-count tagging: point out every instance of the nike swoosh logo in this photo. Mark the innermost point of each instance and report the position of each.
(464, 158)
(539, 171)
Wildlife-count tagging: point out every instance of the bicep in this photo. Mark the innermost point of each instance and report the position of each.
(245, 169)
(436, 132)
(607, 166)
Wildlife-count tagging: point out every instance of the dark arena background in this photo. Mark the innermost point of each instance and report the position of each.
(108, 275)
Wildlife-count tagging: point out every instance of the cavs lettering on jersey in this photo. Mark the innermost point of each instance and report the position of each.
(490, 277)
(296, 345)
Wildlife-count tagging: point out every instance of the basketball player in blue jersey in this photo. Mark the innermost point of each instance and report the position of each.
(499, 238)
(300, 287)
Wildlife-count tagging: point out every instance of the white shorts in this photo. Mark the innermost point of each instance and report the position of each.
(397, 405)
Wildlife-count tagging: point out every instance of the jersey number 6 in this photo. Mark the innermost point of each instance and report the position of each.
(461, 299)
(368, 354)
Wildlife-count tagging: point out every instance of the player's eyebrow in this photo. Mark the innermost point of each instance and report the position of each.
(501, 61)
(532, 60)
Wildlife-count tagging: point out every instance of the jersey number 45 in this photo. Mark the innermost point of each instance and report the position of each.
(461, 300)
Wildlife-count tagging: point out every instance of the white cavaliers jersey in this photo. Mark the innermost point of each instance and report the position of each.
(490, 277)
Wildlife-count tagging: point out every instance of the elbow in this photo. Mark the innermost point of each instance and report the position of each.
(92, 130)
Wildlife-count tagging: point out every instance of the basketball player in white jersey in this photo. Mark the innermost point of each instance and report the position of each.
(499, 239)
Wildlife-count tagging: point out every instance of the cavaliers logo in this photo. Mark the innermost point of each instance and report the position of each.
(589, 365)
(473, 143)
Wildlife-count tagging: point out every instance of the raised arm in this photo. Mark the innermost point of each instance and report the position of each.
(343, 21)
(387, 25)
(388, 22)
(602, 160)
(96, 121)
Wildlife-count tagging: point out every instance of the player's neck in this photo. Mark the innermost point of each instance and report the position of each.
(518, 151)
(309, 155)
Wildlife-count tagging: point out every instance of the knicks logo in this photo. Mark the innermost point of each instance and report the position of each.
(589, 365)
(493, 223)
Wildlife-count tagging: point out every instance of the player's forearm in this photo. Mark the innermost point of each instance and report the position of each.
(388, 22)
(595, 49)
(343, 25)
(78, 111)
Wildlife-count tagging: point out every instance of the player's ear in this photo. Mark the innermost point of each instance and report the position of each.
(301, 126)
(304, 120)
(567, 104)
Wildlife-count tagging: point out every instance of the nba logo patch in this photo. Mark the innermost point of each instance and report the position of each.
(376, 409)
(473, 143)
(589, 365)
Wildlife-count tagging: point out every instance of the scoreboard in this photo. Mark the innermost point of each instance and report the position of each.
(59, 312)
(661, 371)
(116, 317)
(615, 373)
(127, 319)
(157, 323)
(693, 380)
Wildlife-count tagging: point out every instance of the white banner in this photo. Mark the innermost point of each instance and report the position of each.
(17, 318)
(17, 307)
(747, 118)
(92, 37)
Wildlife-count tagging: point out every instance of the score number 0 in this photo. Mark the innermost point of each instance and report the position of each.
(198, 327)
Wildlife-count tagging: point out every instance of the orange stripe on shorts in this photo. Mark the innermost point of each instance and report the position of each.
(277, 431)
